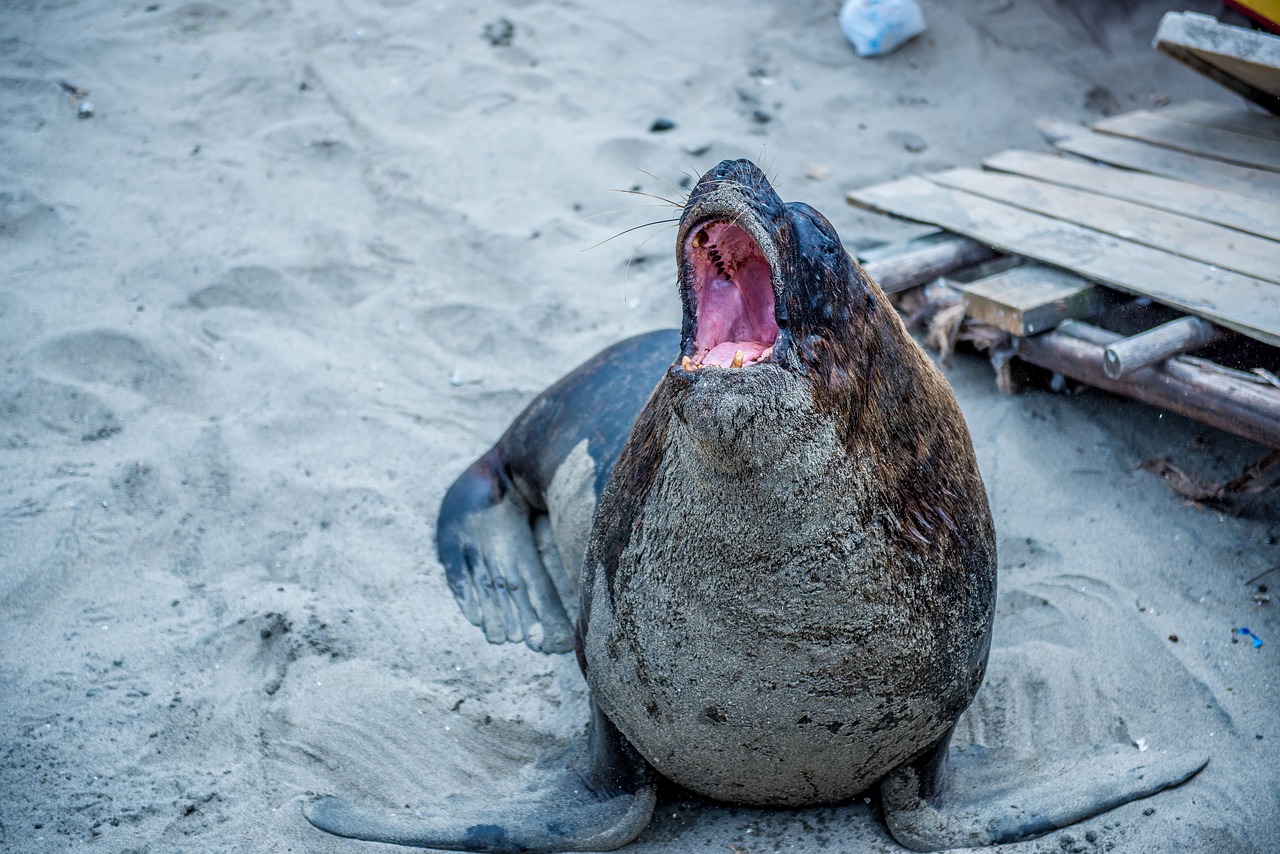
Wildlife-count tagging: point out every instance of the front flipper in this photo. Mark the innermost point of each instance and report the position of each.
(507, 580)
(604, 808)
(511, 573)
(954, 800)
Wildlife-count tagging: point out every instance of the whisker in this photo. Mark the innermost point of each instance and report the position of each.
(617, 210)
(737, 217)
(629, 230)
(737, 185)
(729, 182)
(650, 196)
(676, 190)
(627, 273)
(564, 227)
(693, 182)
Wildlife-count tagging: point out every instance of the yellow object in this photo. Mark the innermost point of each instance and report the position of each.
(1265, 11)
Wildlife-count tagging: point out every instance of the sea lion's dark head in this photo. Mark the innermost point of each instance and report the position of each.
(759, 276)
(774, 308)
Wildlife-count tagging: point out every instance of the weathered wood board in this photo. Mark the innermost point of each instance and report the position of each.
(1131, 154)
(1244, 303)
(1206, 203)
(1245, 61)
(1173, 233)
(1227, 118)
(1029, 299)
(1243, 149)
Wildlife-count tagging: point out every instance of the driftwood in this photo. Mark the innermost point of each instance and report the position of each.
(1155, 345)
(1244, 403)
(1256, 478)
(906, 265)
(1245, 408)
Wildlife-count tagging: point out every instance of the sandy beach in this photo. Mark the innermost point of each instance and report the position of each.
(303, 262)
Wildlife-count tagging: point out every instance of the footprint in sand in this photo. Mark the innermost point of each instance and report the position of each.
(24, 214)
(254, 288)
(1057, 684)
(39, 405)
(105, 357)
(347, 286)
(32, 405)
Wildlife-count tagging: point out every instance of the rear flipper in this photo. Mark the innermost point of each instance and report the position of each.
(602, 809)
(507, 580)
(932, 807)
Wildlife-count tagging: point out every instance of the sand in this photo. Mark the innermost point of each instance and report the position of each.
(305, 261)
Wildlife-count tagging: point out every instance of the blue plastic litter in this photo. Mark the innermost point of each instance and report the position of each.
(877, 27)
(1257, 641)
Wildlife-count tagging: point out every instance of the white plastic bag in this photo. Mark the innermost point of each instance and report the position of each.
(877, 27)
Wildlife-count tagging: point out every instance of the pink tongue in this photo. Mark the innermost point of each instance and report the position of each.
(722, 354)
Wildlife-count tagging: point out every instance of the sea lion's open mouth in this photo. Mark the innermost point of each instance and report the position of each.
(733, 292)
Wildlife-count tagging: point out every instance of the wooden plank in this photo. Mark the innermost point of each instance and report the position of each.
(1226, 118)
(1243, 303)
(1206, 203)
(1173, 233)
(1131, 154)
(1260, 78)
(1239, 148)
(1246, 409)
(1029, 299)
(864, 249)
(1244, 61)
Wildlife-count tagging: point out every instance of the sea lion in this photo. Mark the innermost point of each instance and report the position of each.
(781, 557)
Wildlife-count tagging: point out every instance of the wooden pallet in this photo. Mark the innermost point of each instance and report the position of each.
(1191, 222)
